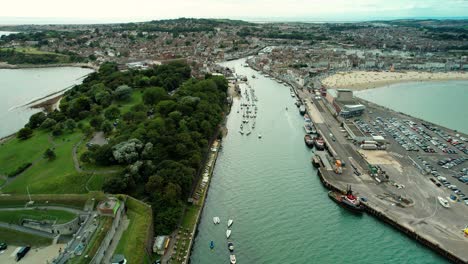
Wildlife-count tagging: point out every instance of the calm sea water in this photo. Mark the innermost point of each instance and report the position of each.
(20, 86)
(444, 103)
(281, 211)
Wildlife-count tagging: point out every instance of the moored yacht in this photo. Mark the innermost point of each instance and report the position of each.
(232, 258)
(230, 222)
(228, 233)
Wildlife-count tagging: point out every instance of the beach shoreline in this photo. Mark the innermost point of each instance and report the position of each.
(364, 80)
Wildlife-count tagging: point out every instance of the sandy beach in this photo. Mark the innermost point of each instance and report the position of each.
(362, 80)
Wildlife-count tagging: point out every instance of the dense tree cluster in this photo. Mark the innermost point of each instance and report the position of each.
(161, 140)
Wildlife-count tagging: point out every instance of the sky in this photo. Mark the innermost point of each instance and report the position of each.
(50, 11)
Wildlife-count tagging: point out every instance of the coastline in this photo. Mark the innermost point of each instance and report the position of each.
(7, 66)
(364, 80)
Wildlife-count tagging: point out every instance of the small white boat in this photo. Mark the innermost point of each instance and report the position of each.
(233, 259)
(259, 135)
(228, 233)
(443, 202)
(216, 220)
(230, 222)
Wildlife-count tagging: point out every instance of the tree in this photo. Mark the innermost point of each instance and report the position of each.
(36, 120)
(107, 127)
(123, 93)
(70, 124)
(116, 184)
(24, 133)
(57, 129)
(49, 154)
(112, 112)
(127, 151)
(154, 95)
(48, 123)
(86, 156)
(96, 122)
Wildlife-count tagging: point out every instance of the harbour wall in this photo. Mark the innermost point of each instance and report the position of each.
(380, 214)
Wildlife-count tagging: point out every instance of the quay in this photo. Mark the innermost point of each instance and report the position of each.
(407, 200)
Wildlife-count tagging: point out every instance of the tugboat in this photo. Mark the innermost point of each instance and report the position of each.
(348, 201)
(308, 140)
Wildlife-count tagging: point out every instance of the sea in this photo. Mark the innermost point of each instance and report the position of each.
(441, 102)
(21, 86)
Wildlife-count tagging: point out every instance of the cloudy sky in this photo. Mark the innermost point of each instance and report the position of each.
(312, 10)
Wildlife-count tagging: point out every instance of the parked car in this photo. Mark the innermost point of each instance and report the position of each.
(3, 246)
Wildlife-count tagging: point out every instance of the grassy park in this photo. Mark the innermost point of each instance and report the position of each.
(44, 176)
(13, 237)
(15, 217)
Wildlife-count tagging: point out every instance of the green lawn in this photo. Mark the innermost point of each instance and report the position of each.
(15, 152)
(132, 242)
(2, 180)
(30, 50)
(15, 217)
(57, 176)
(69, 200)
(17, 238)
(137, 97)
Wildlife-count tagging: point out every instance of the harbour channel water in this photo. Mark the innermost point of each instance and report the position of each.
(281, 211)
(444, 103)
(20, 86)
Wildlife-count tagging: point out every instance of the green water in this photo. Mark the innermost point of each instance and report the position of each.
(281, 211)
(444, 103)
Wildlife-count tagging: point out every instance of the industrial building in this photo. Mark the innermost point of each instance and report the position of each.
(343, 102)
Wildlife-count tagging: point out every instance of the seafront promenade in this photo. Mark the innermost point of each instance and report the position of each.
(408, 201)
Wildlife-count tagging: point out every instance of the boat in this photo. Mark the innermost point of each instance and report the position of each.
(216, 220)
(293, 94)
(297, 103)
(230, 222)
(259, 135)
(302, 109)
(228, 233)
(348, 201)
(242, 132)
(316, 161)
(248, 133)
(231, 246)
(233, 259)
(309, 141)
(253, 76)
(319, 143)
(443, 202)
(309, 128)
(211, 244)
(307, 118)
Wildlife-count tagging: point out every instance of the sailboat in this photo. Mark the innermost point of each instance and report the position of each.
(230, 222)
(228, 233)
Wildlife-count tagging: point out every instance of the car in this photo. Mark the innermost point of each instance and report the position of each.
(3, 246)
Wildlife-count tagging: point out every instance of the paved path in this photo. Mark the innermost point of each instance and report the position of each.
(78, 166)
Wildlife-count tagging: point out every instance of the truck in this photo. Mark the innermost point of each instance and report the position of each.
(22, 252)
(369, 146)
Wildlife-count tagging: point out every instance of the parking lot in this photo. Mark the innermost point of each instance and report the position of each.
(440, 154)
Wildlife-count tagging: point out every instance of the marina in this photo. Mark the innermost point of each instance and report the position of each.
(271, 184)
